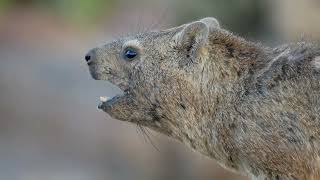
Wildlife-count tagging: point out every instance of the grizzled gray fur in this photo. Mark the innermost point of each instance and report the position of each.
(254, 109)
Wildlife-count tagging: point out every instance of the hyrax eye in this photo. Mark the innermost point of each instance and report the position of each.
(130, 54)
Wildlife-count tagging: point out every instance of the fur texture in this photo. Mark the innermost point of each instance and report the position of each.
(253, 109)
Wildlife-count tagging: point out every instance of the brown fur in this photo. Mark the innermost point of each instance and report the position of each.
(251, 108)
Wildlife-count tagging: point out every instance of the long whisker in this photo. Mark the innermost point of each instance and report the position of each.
(156, 22)
(140, 132)
(139, 24)
(148, 138)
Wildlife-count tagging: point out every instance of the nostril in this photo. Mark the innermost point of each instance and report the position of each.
(87, 58)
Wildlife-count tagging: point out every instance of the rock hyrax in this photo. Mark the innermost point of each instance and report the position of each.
(254, 109)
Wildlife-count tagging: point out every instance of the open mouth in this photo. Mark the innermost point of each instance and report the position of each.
(119, 81)
(104, 99)
(107, 100)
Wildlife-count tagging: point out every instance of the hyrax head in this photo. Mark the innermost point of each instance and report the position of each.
(151, 68)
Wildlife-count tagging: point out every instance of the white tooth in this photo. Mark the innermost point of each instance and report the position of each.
(104, 98)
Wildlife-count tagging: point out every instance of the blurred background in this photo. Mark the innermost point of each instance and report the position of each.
(50, 128)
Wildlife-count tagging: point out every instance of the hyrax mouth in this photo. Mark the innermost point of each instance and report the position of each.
(107, 101)
(116, 80)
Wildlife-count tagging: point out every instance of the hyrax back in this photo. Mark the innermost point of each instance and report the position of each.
(252, 108)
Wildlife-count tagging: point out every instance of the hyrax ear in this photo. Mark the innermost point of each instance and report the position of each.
(211, 22)
(192, 38)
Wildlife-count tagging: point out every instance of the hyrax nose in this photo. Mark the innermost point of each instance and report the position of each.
(89, 58)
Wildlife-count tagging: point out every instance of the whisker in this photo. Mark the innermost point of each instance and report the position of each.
(139, 24)
(145, 132)
(157, 22)
(142, 133)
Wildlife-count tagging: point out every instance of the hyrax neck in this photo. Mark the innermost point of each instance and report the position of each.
(210, 122)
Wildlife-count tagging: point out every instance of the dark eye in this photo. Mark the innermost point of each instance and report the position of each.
(130, 54)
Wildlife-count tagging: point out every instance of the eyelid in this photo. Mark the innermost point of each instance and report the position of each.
(125, 49)
(130, 48)
(132, 43)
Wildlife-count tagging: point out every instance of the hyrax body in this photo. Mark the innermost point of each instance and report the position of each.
(254, 109)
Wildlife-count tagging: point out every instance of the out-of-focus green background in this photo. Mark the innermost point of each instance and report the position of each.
(49, 126)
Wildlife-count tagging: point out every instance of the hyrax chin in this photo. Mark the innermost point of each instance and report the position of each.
(253, 109)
